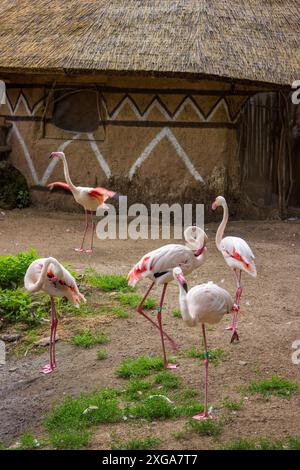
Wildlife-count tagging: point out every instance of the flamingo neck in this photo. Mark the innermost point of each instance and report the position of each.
(67, 174)
(184, 307)
(221, 228)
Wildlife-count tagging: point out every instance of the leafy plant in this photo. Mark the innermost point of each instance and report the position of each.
(13, 268)
(137, 444)
(167, 380)
(176, 313)
(23, 199)
(16, 305)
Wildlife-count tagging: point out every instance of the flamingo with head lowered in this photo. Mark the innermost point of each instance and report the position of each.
(49, 275)
(157, 265)
(239, 257)
(205, 303)
(89, 198)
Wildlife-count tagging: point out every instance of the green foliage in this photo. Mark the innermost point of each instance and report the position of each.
(28, 441)
(88, 339)
(13, 268)
(16, 305)
(107, 282)
(117, 311)
(176, 313)
(275, 386)
(167, 380)
(205, 427)
(155, 407)
(263, 443)
(140, 367)
(72, 439)
(240, 444)
(215, 355)
(189, 409)
(101, 354)
(135, 389)
(137, 444)
(232, 405)
(133, 299)
(23, 199)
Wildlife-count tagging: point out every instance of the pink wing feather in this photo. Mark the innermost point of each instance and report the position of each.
(59, 184)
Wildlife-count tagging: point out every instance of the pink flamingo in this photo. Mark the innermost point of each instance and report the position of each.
(205, 303)
(157, 265)
(89, 198)
(49, 275)
(239, 257)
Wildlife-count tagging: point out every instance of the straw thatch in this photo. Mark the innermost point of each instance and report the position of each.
(255, 40)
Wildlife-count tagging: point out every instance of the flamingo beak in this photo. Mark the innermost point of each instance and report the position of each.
(53, 154)
(182, 281)
(214, 206)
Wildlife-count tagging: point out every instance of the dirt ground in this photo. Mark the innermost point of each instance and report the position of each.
(269, 323)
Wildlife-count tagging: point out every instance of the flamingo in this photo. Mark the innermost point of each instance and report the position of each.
(205, 303)
(48, 275)
(89, 198)
(157, 265)
(239, 257)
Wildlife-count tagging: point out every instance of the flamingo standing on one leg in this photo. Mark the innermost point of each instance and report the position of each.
(239, 257)
(89, 198)
(205, 303)
(49, 275)
(157, 265)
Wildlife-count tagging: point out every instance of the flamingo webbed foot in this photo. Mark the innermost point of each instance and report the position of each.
(171, 366)
(234, 337)
(48, 368)
(202, 416)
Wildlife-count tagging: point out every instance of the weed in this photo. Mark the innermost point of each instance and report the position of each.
(167, 380)
(135, 389)
(13, 268)
(140, 367)
(205, 427)
(133, 299)
(137, 444)
(101, 354)
(153, 407)
(87, 339)
(176, 313)
(215, 355)
(107, 282)
(232, 405)
(275, 386)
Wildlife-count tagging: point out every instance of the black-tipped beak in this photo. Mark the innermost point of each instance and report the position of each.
(185, 287)
(50, 156)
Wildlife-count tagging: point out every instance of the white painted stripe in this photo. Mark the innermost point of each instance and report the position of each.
(165, 132)
(99, 156)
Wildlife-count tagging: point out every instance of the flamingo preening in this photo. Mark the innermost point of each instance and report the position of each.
(89, 198)
(49, 275)
(157, 265)
(205, 303)
(239, 257)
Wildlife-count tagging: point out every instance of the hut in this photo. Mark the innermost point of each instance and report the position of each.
(166, 101)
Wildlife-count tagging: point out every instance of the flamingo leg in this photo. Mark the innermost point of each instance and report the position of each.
(85, 231)
(93, 232)
(159, 310)
(205, 414)
(238, 293)
(141, 311)
(47, 369)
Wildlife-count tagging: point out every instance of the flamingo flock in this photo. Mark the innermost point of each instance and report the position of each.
(203, 304)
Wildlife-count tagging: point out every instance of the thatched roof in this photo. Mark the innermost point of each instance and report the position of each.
(243, 39)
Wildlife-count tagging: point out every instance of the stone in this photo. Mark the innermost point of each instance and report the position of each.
(9, 338)
(44, 341)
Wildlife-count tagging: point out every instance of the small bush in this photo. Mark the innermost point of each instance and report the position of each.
(13, 268)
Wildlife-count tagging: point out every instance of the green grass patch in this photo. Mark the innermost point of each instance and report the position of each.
(16, 305)
(232, 405)
(107, 282)
(133, 299)
(206, 427)
(101, 354)
(152, 408)
(189, 409)
(88, 339)
(13, 268)
(263, 443)
(137, 444)
(71, 440)
(135, 389)
(28, 441)
(117, 311)
(167, 379)
(215, 355)
(275, 386)
(176, 313)
(140, 367)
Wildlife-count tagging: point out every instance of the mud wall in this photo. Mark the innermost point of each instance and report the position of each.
(158, 140)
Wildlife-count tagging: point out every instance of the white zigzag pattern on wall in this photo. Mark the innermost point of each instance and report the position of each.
(165, 132)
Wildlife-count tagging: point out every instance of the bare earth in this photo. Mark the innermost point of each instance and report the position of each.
(269, 323)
